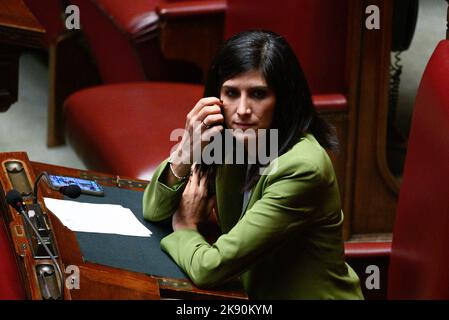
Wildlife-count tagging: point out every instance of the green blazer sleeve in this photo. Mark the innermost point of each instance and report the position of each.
(281, 211)
(160, 200)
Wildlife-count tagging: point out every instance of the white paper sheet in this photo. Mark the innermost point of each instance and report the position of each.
(100, 218)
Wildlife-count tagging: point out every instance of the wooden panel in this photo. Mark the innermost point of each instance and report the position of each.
(26, 262)
(339, 120)
(375, 189)
(98, 282)
(18, 26)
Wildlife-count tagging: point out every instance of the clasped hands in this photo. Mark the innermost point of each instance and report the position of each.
(195, 205)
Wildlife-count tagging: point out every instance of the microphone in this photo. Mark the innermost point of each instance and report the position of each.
(15, 200)
(72, 191)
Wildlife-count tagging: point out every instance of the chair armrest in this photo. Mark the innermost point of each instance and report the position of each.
(358, 250)
(190, 8)
(363, 254)
(330, 102)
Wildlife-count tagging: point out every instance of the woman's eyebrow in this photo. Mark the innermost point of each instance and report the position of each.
(259, 87)
(228, 87)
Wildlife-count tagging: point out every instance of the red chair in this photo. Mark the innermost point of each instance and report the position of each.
(11, 287)
(419, 256)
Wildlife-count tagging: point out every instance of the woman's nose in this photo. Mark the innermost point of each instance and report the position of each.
(243, 107)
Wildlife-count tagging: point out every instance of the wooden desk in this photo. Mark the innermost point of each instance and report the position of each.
(96, 281)
(18, 29)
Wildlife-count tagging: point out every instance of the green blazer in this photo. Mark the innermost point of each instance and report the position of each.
(286, 244)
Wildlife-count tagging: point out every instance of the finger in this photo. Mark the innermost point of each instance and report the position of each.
(204, 112)
(213, 119)
(197, 123)
(194, 175)
(203, 182)
(210, 205)
(205, 102)
(188, 187)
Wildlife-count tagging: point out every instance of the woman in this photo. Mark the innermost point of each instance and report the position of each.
(282, 227)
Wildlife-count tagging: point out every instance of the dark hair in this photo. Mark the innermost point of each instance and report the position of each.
(294, 113)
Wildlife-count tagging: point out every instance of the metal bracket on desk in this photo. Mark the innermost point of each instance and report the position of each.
(117, 181)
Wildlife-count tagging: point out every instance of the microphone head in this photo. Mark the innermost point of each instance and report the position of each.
(13, 197)
(72, 191)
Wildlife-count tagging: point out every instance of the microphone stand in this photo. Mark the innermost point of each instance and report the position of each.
(36, 232)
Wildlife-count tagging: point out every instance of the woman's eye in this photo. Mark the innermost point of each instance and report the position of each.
(259, 94)
(231, 93)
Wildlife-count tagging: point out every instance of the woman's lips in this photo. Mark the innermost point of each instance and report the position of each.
(243, 125)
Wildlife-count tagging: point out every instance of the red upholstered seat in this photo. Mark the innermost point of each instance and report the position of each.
(125, 128)
(10, 283)
(420, 253)
(419, 258)
(107, 25)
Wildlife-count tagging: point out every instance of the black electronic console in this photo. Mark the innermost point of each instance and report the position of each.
(39, 221)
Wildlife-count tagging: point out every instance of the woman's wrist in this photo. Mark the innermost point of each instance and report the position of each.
(179, 172)
(185, 226)
(179, 223)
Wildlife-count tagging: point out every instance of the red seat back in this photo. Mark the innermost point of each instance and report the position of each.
(420, 253)
(316, 29)
(109, 39)
(10, 283)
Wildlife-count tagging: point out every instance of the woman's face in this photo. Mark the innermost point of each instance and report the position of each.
(248, 102)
